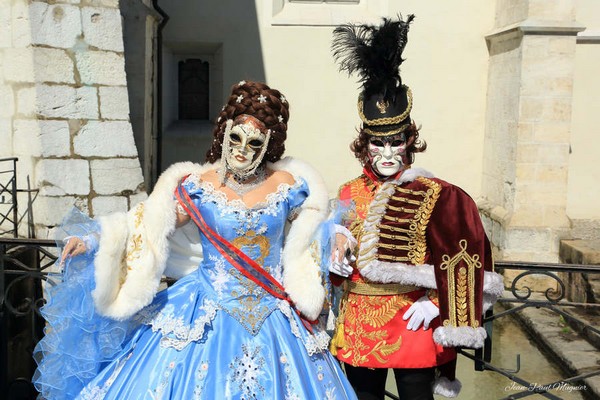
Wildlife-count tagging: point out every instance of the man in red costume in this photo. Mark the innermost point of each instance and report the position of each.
(423, 274)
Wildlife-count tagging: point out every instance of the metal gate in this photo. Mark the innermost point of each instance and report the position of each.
(24, 265)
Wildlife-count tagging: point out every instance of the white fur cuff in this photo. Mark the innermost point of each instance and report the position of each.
(464, 336)
(445, 387)
(386, 272)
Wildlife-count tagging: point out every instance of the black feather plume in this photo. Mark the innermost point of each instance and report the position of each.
(374, 52)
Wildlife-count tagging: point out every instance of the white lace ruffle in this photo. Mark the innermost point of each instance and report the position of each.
(183, 333)
(226, 206)
(315, 343)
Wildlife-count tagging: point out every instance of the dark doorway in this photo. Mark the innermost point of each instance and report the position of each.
(193, 89)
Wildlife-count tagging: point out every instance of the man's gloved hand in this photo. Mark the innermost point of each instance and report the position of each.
(340, 265)
(421, 312)
(341, 255)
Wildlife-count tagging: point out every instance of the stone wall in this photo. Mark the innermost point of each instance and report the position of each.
(525, 175)
(532, 53)
(64, 106)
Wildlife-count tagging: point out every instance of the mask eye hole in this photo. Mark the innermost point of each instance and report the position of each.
(235, 138)
(377, 143)
(255, 143)
(397, 143)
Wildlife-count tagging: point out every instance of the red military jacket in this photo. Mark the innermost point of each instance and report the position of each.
(418, 235)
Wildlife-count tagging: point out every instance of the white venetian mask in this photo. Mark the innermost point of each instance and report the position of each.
(244, 145)
(385, 153)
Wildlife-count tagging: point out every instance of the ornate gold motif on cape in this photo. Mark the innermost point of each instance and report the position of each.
(404, 223)
(251, 239)
(135, 244)
(315, 253)
(461, 286)
(375, 312)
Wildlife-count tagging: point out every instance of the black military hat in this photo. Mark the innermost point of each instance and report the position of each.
(375, 53)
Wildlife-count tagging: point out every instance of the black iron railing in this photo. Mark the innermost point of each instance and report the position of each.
(9, 218)
(518, 297)
(24, 267)
(11, 215)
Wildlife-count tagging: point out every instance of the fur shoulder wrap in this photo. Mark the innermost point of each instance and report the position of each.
(138, 247)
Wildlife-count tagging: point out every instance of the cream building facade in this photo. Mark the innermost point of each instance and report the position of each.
(506, 92)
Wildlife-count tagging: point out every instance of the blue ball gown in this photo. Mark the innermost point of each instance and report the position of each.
(213, 334)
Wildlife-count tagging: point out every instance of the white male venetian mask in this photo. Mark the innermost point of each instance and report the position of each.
(386, 152)
(244, 145)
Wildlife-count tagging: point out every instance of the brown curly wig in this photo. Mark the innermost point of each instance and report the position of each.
(246, 98)
(360, 145)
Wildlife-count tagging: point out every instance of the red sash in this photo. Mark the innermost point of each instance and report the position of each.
(244, 264)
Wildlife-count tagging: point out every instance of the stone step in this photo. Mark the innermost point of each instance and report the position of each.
(571, 351)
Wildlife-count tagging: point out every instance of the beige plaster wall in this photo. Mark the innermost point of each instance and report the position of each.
(446, 68)
(584, 170)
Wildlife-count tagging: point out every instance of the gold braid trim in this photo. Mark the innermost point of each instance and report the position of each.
(388, 133)
(408, 191)
(393, 258)
(393, 229)
(390, 218)
(379, 289)
(394, 246)
(461, 289)
(409, 201)
(387, 120)
(402, 209)
(422, 216)
(395, 237)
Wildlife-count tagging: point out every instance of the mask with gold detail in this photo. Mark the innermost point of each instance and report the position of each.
(245, 143)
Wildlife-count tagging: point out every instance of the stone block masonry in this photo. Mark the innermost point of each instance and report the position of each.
(530, 95)
(64, 107)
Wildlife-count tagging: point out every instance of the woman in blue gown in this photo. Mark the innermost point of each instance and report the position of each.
(218, 332)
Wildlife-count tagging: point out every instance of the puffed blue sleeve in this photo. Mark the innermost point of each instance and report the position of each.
(297, 195)
(77, 339)
(191, 184)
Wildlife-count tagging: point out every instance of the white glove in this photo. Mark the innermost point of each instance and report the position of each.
(341, 265)
(422, 312)
(341, 256)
